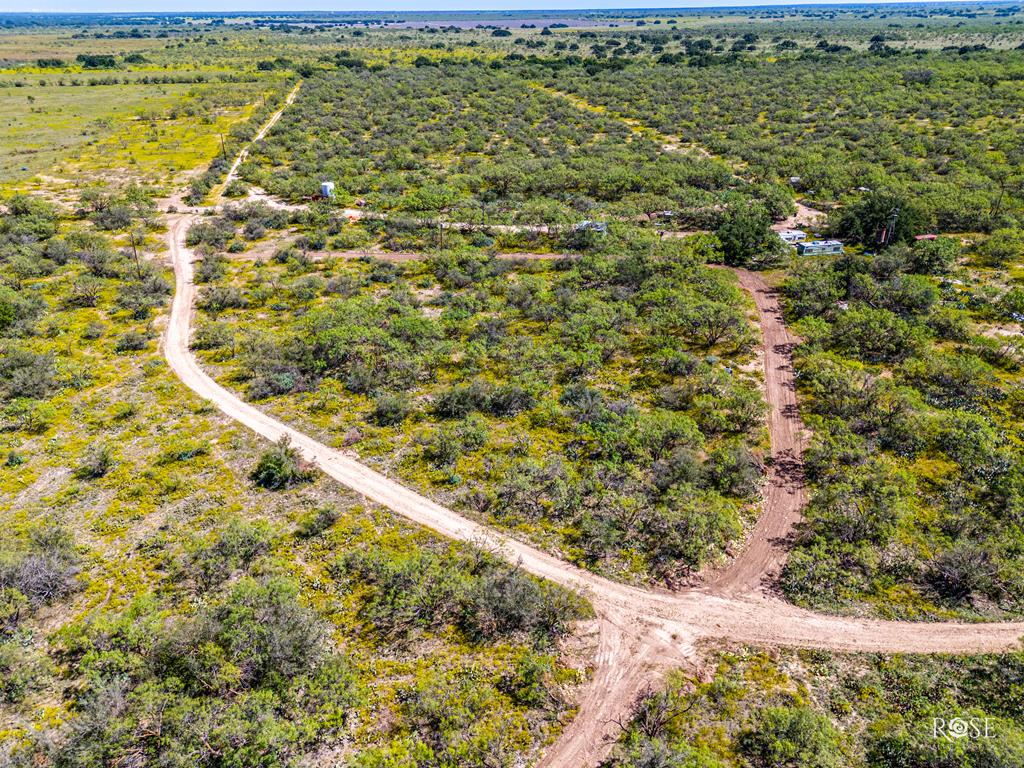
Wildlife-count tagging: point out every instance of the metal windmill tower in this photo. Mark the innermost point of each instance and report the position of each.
(889, 230)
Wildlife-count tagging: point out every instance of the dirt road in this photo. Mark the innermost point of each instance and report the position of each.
(643, 633)
(758, 564)
(260, 135)
(646, 632)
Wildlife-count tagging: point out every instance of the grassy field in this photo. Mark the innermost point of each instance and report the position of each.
(20, 48)
(111, 133)
(156, 109)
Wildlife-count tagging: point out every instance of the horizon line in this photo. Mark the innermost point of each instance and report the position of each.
(581, 9)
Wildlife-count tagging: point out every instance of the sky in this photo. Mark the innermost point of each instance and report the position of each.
(137, 6)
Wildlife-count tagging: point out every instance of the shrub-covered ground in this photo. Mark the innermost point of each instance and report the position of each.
(174, 592)
(910, 377)
(608, 406)
(475, 143)
(159, 605)
(940, 127)
(811, 709)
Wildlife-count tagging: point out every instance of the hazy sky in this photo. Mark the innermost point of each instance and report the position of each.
(134, 6)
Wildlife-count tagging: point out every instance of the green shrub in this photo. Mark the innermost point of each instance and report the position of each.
(94, 330)
(791, 737)
(21, 670)
(229, 550)
(98, 461)
(26, 374)
(183, 449)
(132, 341)
(389, 409)
(236, 188)
(316, 522)
(281, 467)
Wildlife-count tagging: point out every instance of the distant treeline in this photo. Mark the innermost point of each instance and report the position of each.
(144, 80)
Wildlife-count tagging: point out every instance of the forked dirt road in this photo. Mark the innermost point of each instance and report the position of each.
(643, 632)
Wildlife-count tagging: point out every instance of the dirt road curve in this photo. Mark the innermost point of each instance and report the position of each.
(643, 633)
(646, 632)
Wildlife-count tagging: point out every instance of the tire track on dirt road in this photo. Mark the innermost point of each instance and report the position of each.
(758, 564)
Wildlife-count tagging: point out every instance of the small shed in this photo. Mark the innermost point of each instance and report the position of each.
(327, 188)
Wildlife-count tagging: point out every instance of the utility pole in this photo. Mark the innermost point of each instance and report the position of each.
(223, 149)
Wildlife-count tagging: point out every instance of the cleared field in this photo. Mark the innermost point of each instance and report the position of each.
(16, 48)
(149, 132)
